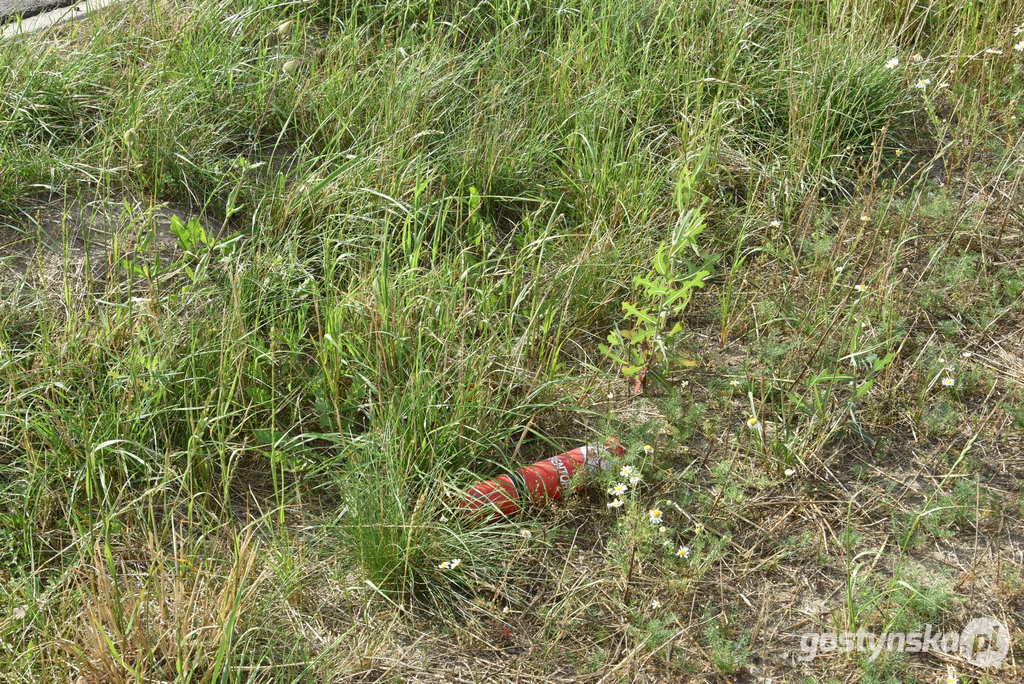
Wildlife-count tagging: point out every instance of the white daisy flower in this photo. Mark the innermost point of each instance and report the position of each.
(683, 552)
(948, 381)
(627, 471)
(892, 63)
(655, 516)
(615, 503)
(618, 489)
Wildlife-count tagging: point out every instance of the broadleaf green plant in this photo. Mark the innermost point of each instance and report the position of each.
(664, 292)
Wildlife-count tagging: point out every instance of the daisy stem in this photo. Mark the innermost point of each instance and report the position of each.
(632, 565)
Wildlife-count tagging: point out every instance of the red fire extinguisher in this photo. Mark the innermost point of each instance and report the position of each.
(547, 479)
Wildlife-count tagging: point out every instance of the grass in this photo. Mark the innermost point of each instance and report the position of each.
(279, 279)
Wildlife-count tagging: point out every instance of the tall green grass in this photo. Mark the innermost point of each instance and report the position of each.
(427, 215)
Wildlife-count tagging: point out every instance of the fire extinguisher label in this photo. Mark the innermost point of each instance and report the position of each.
(563, 472)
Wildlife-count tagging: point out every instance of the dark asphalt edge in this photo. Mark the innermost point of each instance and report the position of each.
(28, 14)
(54, 17)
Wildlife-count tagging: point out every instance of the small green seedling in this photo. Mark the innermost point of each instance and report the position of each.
(664, 292)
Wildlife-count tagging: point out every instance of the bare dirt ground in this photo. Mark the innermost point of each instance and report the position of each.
(53, 238)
